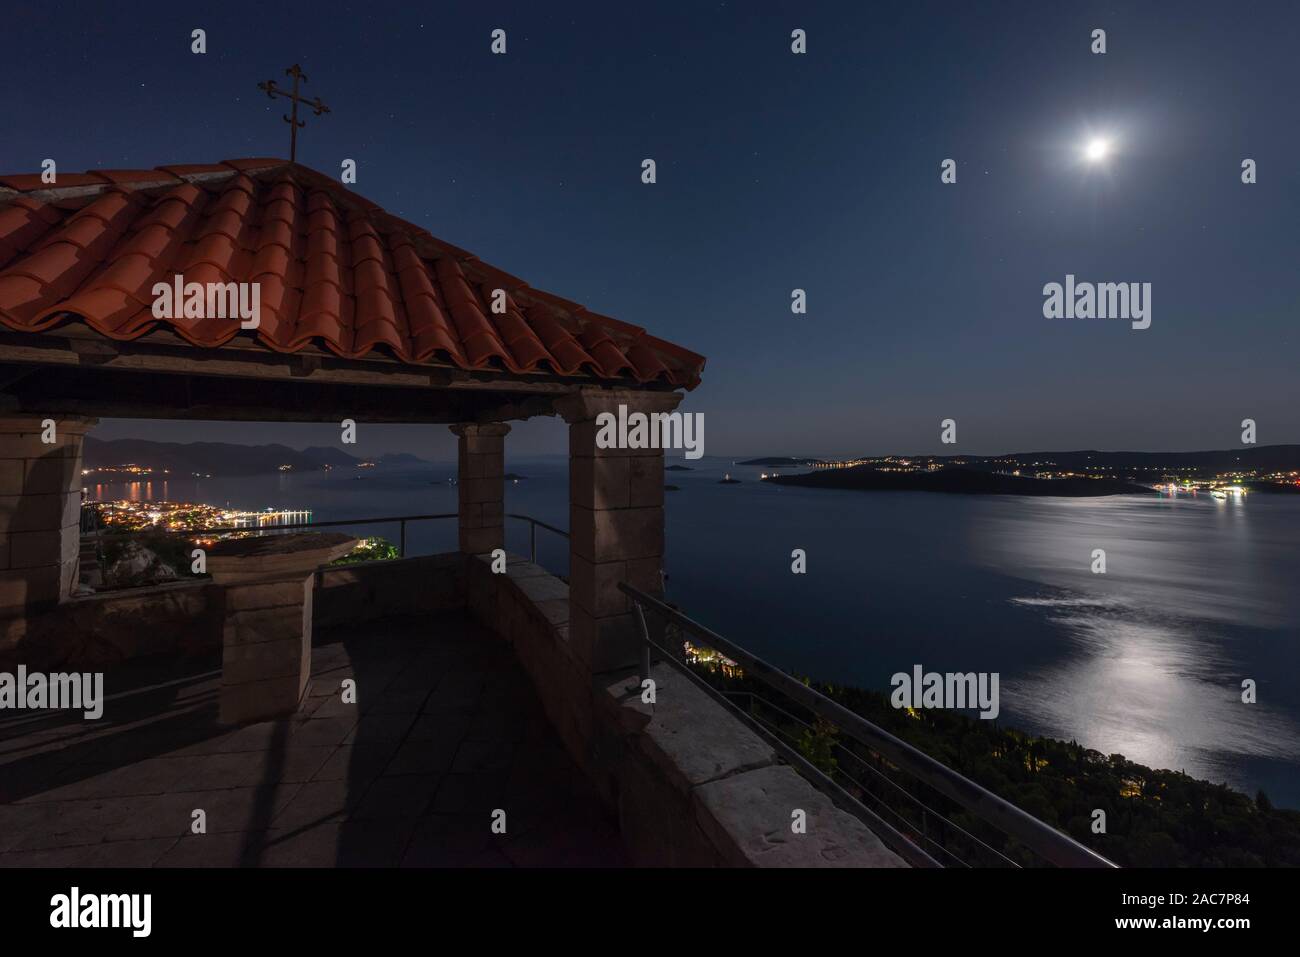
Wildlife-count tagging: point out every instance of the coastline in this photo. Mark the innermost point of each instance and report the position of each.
(958, 481)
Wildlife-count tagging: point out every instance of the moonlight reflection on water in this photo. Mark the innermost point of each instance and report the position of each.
(1153, 658)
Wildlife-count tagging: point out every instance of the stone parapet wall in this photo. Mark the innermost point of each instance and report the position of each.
(98, 631)
(401, 586)
(695, 787)
(184, 618)
(529, 608)
(692, 786)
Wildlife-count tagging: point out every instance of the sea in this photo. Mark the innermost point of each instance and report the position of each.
(1148, 660)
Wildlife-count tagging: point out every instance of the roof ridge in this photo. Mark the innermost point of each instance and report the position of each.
(97, 181)
(462, 328)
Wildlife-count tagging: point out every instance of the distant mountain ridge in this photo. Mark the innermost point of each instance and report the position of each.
(224, 458)
(783, 460)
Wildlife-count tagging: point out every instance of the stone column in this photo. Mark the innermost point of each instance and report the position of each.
(266, 634)
(616, 526)
(40, 510)
(481, 459)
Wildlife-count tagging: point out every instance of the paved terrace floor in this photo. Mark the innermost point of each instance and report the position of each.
(447, 728)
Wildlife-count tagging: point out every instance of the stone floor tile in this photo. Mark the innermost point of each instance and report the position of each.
(447, 730)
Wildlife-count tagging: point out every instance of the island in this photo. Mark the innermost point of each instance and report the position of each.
(784, 461)
(959, 481)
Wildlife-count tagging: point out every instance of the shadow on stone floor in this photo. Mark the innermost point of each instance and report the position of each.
(445, 731)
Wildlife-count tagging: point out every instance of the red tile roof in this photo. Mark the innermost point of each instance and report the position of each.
(333, 268)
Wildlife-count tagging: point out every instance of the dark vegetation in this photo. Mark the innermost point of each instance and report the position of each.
(374, 549)
(148, 558)
(1154, 818)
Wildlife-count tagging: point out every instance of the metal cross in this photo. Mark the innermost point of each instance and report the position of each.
(273, 91)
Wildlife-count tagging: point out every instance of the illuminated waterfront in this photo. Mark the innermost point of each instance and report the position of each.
(143, 513)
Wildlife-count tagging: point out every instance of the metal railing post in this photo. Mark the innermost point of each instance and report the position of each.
(401, 548)
(532, 541)
(645, 640)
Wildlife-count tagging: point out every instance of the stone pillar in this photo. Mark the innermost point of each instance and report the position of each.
(266, 634)
(40, 510)
(481, 459)
(616, 526)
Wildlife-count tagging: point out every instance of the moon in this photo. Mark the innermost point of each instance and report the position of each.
(1096, 150)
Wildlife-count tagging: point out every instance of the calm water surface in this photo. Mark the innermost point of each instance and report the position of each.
(1146, 660)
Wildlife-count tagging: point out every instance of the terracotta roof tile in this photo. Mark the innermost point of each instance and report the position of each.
(195, 169)
(29, 182)
(132, 176)
(254, 164)
(22, 298)
(334, 270)
(116, 309)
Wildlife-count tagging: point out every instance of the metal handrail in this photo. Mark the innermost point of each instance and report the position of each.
(913, 853)
(532, 532)
(887, 781)
(1051, 844)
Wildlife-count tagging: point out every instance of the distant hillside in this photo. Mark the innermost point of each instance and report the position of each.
(401, 458)
(323, 454)
(958, 480)
(222, 458)
(784, 460)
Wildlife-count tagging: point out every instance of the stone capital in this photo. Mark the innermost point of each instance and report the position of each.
(474, 429)
(587, 403)
(267, 558)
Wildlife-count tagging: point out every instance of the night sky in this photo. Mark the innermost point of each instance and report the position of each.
(775, 171)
